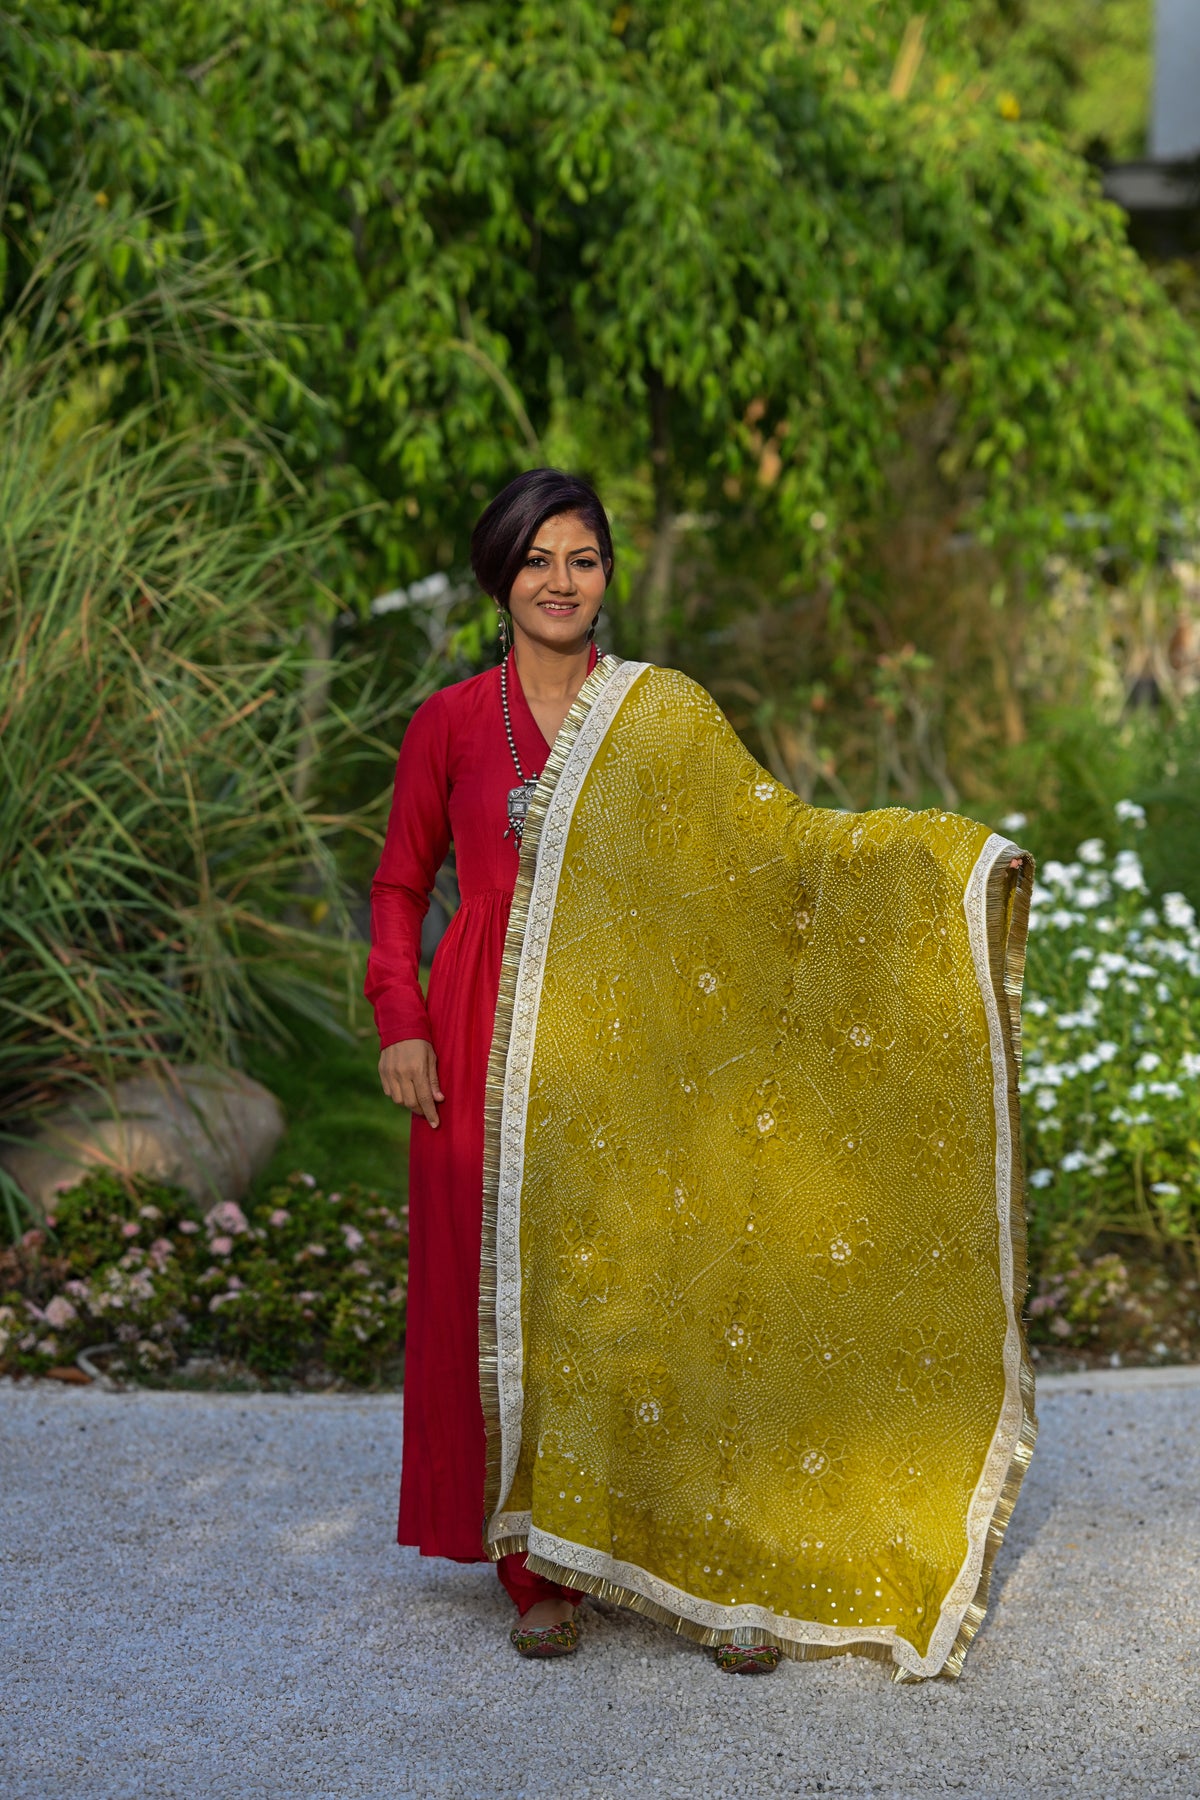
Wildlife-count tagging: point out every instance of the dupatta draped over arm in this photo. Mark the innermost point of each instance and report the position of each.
(753, 1254)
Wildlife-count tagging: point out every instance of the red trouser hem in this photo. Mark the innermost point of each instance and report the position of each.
(525, 1588)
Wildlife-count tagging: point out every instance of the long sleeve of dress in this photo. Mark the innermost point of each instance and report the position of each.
(418, 836)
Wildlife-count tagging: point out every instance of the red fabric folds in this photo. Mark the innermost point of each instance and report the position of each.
(452, 781)
(525, 1588)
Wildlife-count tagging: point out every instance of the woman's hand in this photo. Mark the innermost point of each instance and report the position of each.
(408, 1071)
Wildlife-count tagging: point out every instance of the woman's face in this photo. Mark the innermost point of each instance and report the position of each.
(559, 588)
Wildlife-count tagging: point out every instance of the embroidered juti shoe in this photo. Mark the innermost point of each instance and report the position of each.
(747, 1659)
(545, 1640)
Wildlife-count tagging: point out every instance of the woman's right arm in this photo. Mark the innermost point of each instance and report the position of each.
(418, 836)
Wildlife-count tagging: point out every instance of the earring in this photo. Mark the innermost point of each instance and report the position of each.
(503, 632)
(591, 630)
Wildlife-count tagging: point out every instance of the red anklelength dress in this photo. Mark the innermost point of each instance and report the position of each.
(452, 781)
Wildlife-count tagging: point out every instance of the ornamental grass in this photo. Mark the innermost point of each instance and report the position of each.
(164, 862)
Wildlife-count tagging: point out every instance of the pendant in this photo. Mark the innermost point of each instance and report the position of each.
(518, 806)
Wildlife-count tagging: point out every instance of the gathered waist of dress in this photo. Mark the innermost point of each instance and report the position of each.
(484, 896)
(481, 915)
(476, 907)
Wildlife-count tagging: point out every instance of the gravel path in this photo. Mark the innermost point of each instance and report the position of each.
(200, 1598)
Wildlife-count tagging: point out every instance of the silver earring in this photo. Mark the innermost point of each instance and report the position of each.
(503, 632)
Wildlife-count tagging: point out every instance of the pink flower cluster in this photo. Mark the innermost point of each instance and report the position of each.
(227, 1218)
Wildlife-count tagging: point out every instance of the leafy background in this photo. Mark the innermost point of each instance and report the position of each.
(898, 433)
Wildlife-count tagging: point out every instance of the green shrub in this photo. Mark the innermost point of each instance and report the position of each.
(303, 1279)
(1073, 1298)
(1078, 762)
(1111, 1077)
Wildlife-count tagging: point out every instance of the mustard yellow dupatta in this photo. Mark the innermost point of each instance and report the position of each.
(752, 1359)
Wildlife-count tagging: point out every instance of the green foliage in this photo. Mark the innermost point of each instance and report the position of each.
(1111, 1076)
(709, 247)
(340, 1123)
(1083, 66)
(1170, 791)
(1073, 1298)
(307, 1279)
(152, 718)
(822, 296)
(1066, 779)
(827, 301)
(1079, 67)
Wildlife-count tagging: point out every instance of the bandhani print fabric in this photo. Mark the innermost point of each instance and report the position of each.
(751, 1352)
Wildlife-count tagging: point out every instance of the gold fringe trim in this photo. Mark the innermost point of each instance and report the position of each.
(493, 1108)
(600, 1588)
(1008, 897)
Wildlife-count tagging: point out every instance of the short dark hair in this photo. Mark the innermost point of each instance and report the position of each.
(508, 525)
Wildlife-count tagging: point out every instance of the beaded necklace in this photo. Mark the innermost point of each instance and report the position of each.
(520, 796)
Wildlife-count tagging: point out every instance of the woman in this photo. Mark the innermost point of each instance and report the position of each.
(543, 548)
(714, 1183)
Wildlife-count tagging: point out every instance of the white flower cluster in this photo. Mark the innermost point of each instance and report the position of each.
(1112, 1046)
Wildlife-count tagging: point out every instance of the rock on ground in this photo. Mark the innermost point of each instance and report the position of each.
(200, 1598)
(211, 1131)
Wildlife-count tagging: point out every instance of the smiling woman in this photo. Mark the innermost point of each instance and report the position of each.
(470, 762)
(716, 1236)
(547, 573)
